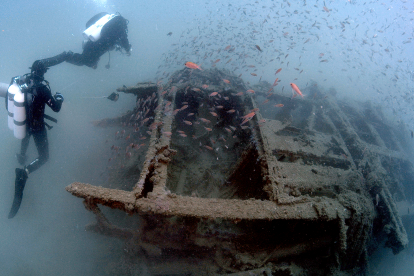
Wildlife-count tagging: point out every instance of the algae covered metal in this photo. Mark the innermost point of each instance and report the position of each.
(238, 179)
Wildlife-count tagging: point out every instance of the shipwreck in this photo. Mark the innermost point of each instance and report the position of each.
(303, 186)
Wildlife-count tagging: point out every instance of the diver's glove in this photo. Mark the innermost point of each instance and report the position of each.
(59, 97)
(129, 51)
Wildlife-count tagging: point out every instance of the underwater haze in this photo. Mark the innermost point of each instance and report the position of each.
(362, 49)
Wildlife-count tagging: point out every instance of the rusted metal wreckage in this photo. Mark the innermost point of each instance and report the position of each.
(311, 189)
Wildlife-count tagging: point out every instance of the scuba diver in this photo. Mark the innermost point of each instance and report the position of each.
(37, 94)
(104, 32)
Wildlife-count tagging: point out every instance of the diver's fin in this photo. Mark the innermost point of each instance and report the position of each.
(20, 182)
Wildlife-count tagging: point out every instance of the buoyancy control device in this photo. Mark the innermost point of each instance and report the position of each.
(93, 33)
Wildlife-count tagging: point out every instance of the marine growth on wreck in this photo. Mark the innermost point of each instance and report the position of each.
(222, 177)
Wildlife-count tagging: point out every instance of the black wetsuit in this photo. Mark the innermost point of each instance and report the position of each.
(114, 32)
(36, 99)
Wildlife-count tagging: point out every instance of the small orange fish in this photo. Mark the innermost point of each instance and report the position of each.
(239, 94)
(214, 114)
(231, 111)
(253, 74)
(326, 9)
(226, 81)
(278, 70)
(250, 115)
(208, 129)
(250, 91)
(183, 135)
(275, 83)
(228, 47)
(254, 110)
(217, 60)
(183, 107)
(188, 122)
(205, 120)
(295, 88)
(279, 105)
(213, 94)
(208, 147)
(204, 86)
(265, 101)
(192, 65)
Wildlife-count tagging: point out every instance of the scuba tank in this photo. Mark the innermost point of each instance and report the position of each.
(93, 33)
(19, 117)
(13, 89)
(16, 107)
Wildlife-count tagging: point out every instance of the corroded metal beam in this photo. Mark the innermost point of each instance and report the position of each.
(175, 205)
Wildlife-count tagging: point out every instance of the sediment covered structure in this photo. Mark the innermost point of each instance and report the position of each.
(300, 187)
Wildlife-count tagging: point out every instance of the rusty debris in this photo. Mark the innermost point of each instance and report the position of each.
(306, 187)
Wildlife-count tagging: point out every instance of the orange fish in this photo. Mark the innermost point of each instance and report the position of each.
(250, 91)
(228, 47)
(208, 147)
(214, 114)
(205, 120)
(250, 115)
(265, 101)
(213, 94)
(188, 122)
(275, 83)
(253, 74)
(278, 70)
(295, 88)
(279, 105)
(226, 81)
(192, 65)
(208, 129)
(217, 60)
(231, 111)
(204, 86)
(326, 9)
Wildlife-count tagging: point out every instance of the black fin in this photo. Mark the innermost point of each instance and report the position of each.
(20, 182)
